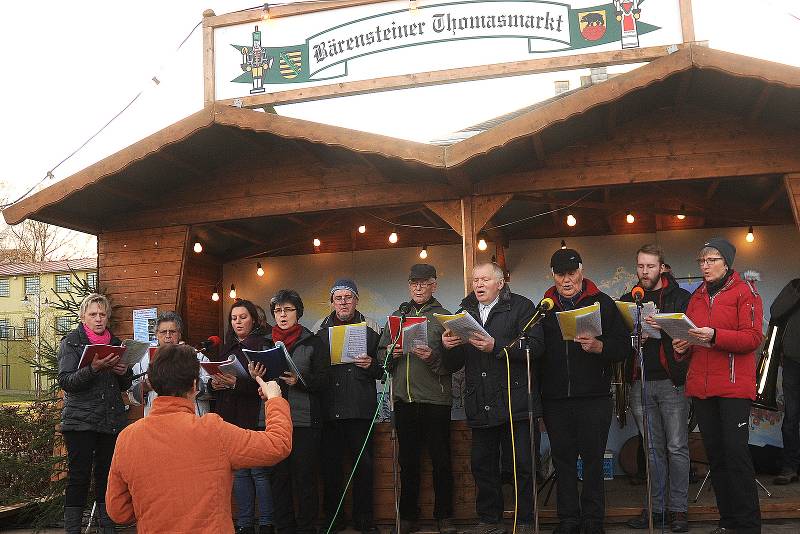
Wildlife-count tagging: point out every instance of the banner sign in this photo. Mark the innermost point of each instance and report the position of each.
(391, 38)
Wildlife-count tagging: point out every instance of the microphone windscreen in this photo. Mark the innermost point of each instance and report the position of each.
(216, 341)
(547, 304)
(637, 293)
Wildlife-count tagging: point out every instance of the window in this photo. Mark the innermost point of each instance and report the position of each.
(31, 285)
(62, 283)
(4, 329)
(91, 280)
(63, 325)
(31, 328)
(5, 288)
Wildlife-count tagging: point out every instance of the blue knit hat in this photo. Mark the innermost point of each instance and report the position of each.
(344, 284)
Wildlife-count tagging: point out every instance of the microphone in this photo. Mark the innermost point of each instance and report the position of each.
(404, 309)
(211, 342)
(638, 294)
(545, 305)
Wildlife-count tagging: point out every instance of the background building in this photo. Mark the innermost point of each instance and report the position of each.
(27, 319)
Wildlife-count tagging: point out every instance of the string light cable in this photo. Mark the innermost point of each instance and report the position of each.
(154, 79)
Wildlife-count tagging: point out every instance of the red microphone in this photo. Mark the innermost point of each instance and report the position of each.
(638, 294)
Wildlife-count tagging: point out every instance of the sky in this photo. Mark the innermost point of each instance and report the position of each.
(69, 67)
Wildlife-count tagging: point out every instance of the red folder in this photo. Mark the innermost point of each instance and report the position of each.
(90, 352)
(394, 326)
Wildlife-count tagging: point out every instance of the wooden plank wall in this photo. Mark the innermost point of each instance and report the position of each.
(463, 484)
(140, 269)
(200, 314)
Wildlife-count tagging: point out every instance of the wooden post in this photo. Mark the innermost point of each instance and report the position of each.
(687, 21)
(792, 182)
(468, 234)
(209, 91)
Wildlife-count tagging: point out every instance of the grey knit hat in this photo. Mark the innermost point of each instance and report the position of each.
(725, 248)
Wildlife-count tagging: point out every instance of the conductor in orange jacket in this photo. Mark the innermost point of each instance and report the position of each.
(173, 471)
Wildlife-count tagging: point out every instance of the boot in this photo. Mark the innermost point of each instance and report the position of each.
(73, 519)
(106, 525)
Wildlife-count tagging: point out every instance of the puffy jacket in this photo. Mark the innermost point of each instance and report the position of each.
(172, 471)
(313, 360)
(785, 312)
(567, 370)
(350, 392)
(673, 299)
(92, 400)
(415, 380)
(241, 405)
(487, 375)
(728, 367)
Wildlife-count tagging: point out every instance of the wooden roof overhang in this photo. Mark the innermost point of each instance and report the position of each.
(715, 131)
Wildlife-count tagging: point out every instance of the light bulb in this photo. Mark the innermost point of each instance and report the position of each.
(681, 216)
(215, 295)
(362, 229)
(232, 294)
(563, 244)
(259, 269)
(317, 242)
(571, 220)
(265, 13)
(423, 253)
(393, 237)
(482, 244)
(750, 237)
(198, 247)
(629, 217)
(413, 7)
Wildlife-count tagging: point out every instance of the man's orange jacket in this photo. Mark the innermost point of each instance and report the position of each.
(172, 471)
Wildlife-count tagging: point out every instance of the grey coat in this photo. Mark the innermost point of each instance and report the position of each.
(92, 399)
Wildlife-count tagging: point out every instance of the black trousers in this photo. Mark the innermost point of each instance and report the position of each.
(725, 427)
(489, 445)
(424, 426)
(294, 480)
(578, 426)
(84, 450)
(347, 436)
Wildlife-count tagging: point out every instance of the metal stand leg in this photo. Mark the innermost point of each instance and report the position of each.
(697, 497)
(91, 517)
(763, 488)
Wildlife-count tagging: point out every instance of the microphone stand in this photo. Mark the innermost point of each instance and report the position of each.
(524, 343)
(638, 346)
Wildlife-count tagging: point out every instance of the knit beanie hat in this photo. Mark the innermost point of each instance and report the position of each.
(346, 284)
(725, 248)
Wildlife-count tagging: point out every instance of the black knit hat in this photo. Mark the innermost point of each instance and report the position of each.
(725, 248)
(565, 259)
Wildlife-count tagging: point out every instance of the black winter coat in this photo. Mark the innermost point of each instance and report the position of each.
(92, 400)
(487, 374)
(241, 406)
(350, 392)
(673, 299)
(785, 312)
(567, 370)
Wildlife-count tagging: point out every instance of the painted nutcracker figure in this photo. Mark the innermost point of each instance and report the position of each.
(628, 13)
(256, 61)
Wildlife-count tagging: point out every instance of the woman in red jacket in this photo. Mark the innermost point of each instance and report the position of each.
(721, 380)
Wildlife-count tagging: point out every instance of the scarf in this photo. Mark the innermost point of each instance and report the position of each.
(714, 287)
(97, 339)
(289, 336)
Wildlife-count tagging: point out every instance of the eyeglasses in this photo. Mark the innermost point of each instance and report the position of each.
(708, 261)
(343, 299)
(167, 332)
(419, 283)
(287, 311)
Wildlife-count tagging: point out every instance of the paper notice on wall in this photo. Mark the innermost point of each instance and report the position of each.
(144, 325)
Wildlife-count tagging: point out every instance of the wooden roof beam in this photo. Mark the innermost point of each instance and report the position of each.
(712, 188)
(684, 85)
(138, 198)
(792, 183)
(181, 164)
(760, 103)
(237, 234)
(777, 192)
(538, 147)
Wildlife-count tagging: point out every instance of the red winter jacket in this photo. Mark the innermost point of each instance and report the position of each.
(728, 367)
